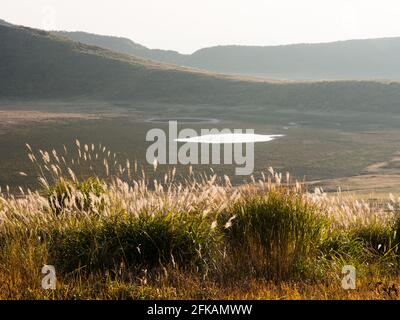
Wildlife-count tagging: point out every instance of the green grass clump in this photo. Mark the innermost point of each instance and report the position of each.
(396, 229)
(340, 248)
(371, 248)
(377, 238)
(143, 241)
(279, 232)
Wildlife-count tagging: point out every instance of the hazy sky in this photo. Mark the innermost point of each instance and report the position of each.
(187, 25)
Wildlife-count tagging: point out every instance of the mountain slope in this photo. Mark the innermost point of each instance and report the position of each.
(125, 45)
(353, 59)
(35, 64)
(119, 44)
(5, 23)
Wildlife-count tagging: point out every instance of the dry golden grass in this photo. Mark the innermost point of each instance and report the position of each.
(269, 239)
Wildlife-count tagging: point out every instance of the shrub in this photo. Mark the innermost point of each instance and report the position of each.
(280, 232)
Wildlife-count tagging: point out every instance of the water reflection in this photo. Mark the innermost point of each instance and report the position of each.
(231, 138)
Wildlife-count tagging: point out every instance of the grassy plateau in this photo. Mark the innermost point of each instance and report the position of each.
(125, 236)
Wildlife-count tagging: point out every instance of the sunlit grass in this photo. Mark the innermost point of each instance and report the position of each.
(123, 236)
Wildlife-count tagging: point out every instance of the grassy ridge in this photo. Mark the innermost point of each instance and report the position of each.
(38, 65)
(124, 237)
(353, 59)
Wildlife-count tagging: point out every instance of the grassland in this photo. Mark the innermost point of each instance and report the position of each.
(112, 233)
(38, 65)
(124, 236)
(120, 229)
(316, 147)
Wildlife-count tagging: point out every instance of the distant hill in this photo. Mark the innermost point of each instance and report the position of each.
(346, 60)
(127, 46)
(353, 59)
(35, 64)
(5, 23)
(119, 44)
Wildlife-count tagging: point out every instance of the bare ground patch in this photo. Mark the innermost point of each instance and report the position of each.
(16, 117)
(10, 119)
